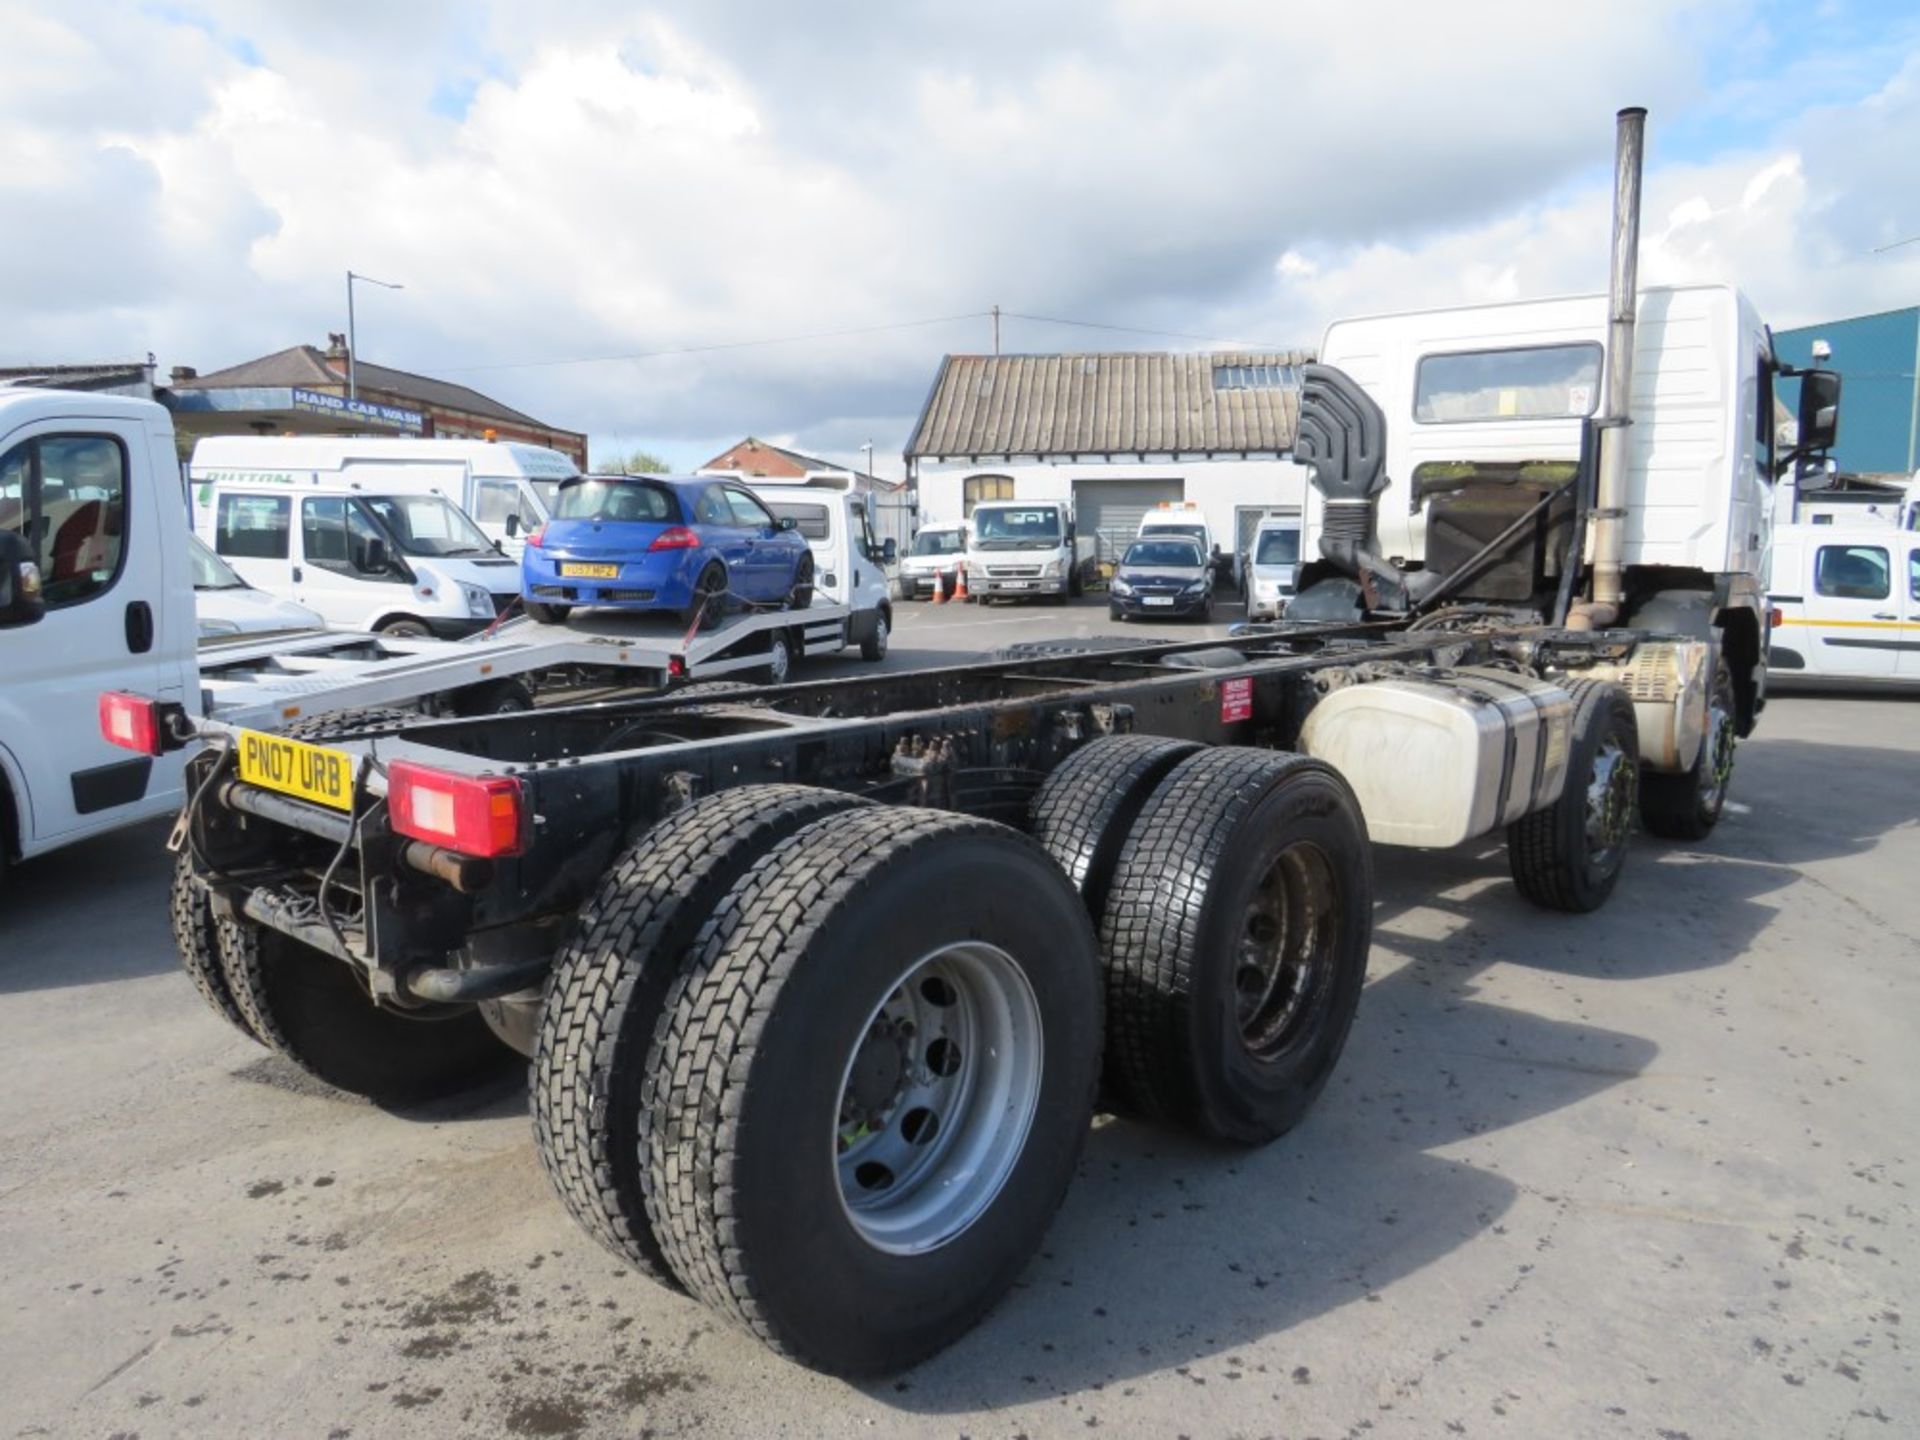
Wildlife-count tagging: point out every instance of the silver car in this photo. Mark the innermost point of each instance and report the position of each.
(1272, 563)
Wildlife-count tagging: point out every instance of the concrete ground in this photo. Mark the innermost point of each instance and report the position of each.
(1646, 1173)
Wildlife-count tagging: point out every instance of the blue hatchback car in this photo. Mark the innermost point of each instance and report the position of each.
(688, 545)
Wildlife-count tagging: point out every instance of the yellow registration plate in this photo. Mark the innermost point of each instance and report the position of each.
(293, 767)
(590, 572)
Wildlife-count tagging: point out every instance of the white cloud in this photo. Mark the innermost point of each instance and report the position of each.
(603, 181)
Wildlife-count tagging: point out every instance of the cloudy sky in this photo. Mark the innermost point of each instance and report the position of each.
(644, 190)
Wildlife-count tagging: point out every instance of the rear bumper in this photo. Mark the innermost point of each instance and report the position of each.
(662, 581)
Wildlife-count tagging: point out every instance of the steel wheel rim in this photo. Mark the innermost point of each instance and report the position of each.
(779, 660)
(1717, 751)
(880, 634)
(937, 1098)
(1612, 792)
(1289, 930)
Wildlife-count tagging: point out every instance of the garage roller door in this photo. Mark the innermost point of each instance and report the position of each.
(1109, 512)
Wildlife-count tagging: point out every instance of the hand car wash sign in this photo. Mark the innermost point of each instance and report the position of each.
(389, 415)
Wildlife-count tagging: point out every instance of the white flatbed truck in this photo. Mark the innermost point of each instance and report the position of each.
(91, 507)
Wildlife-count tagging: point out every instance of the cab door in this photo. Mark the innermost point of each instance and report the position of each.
(336, 574)
(1852, 619)
(74, 490)
(1908, 664)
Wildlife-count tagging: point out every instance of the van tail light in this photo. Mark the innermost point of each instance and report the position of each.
(1774, 618)
(131, 722)
(482, 816)
(675, 537)
(536, 536)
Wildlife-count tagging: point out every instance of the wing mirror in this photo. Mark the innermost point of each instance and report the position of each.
(889, 551)
(1819, 410)
(22, 602)
(785, 522)
(513, 526)
(377, 559)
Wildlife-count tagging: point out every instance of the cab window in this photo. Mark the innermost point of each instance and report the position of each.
(66, 495)
(495, 500)
(252, 527)
(1913, 574)
(1534, 382)
(1852, 572)
(809, 520)
(335, 535)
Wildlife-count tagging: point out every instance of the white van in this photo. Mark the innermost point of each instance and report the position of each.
(506, 488)
(1272, 564)
(1187, 519)
(396, 562)
(1846, 604)
(1019, 549)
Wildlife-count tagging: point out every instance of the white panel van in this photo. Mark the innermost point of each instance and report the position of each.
(506, 488)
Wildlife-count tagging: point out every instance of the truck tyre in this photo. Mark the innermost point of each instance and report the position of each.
(542, 613)
(873, 1084)
(1082, 812)
(1236, 934)
(592, 1053)
(873, 645)
(314, 1010)
(194, 937)
(498, 697)
(1568, 856)
(406, 628)
(1687, 807)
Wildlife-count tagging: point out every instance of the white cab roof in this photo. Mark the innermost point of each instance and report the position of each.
(503, 458)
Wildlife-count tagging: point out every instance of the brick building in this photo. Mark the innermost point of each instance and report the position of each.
(302, 390)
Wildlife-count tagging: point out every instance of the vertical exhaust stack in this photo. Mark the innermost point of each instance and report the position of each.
(1623, 293)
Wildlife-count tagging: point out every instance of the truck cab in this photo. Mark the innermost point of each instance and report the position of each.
(90, 496)
(850, 562)
(1486, 410)
(1020, 550)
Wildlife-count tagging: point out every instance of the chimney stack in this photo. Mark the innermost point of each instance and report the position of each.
(184, 373)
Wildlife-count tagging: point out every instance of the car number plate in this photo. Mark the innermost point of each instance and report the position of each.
(293, 767)
(1159, 600)
(1017, 584)
(590, 572)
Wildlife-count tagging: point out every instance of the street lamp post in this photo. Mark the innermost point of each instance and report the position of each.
(353, 342)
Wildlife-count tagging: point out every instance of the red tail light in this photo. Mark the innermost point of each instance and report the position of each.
(675, 537)
(130, 722)
(483, 816)
(535, 536)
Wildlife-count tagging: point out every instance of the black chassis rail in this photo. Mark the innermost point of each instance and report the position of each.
(977, 738)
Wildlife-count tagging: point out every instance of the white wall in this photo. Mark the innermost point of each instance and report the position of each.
(1218, 485)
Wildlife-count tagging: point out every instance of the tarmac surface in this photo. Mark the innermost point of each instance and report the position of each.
(1643, 1173)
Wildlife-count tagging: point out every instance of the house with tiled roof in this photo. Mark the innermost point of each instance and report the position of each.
(304, 390)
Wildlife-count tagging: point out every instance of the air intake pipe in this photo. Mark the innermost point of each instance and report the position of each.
(1623, 292)
(1341, 437)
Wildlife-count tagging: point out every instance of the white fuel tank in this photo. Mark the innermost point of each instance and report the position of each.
(1440, 756)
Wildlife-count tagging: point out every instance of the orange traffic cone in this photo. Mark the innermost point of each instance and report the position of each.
(960, 583)
(939, 588)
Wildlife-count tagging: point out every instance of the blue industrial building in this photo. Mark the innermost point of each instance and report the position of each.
(1879, 358)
